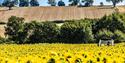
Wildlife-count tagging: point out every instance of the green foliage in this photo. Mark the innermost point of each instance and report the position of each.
(119, 36)
(23, 3)
(114, 2)
(44, 32)
(61, 3)
(76, 32)
(88, 2)
(5, 41)
(15, 29)
(8, 3)
(115, 24)
(34, 3)
(112, 23)
(104, 34)
(2, 40)
(74, 2)
(101, 4)
(52, 2)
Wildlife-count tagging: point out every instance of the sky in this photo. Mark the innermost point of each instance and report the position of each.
(96, 2)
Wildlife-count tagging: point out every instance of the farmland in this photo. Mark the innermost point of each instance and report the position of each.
(61, 53)
(62, 13)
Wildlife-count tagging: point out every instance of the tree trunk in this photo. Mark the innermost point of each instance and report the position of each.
(10, 8)
(114, 4)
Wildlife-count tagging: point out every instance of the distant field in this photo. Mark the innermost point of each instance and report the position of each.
(62, 53)
(55, 13)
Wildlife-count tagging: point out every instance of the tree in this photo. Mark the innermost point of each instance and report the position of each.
(74, 2)
(34, 3)
(119, 36)
(104, 34)
(111, 23)
(101, 4)
(44, 32)
(76, 32)
(61, 3)
(52, 2)
(88, 2)
(24, 3)
(16, 2)
(114, 2)
(14, 29)
(0, 4)
(9, 3)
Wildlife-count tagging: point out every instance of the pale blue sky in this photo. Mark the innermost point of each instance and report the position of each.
(96, 2)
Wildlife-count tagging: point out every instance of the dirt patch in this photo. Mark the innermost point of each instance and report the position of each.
(2, 31)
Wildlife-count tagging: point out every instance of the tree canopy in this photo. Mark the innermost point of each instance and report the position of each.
(61, 3)
(52, 2)
(34, 3)
(88, 2)
(114, 2)
(24, 3)
(9, 3)
(74, 2)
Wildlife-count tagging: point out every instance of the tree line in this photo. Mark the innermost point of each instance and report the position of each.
(72, 31)
(26, 3)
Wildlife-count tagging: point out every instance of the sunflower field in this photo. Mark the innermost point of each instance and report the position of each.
(61, 53)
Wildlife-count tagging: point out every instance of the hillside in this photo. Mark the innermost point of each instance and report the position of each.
(55, 13)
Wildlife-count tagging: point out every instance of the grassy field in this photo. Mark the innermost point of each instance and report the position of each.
(62, 53)
(44, 14)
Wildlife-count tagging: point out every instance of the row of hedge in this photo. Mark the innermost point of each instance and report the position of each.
(73, 31)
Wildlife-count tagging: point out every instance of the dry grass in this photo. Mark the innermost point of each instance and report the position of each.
(2, 30)
(55, 13)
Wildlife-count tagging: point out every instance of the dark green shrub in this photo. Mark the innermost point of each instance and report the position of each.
(2, 40)
(119, 36)
(5, 41)
(15, 29)
(76, 32)
(104, 34)
(44, 32)
(112, 23)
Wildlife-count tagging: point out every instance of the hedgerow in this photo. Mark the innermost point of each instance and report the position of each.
(72, 31)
